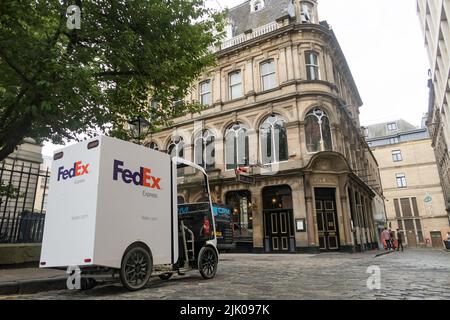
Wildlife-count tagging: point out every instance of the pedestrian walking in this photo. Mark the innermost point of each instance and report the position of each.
(393, 242)
(386, 236)
(399, 240)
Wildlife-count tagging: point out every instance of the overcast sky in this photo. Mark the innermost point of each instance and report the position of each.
(384, 47)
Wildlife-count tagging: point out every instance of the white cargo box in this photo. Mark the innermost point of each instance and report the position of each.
(106, 194)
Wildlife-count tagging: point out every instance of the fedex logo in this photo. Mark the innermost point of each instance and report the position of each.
(139, 178)
(78, 169)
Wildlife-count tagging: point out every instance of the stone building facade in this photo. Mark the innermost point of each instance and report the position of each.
(410, 178)
(434, 16)
(282, 112)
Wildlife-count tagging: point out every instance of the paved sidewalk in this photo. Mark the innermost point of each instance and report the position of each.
(30, 280)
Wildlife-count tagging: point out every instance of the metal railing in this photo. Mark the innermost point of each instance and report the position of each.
(245, 37)
(22, 202)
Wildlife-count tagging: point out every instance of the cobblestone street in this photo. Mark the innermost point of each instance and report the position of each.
(413, 274)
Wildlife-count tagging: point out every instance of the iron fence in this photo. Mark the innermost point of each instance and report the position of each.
(23, 199)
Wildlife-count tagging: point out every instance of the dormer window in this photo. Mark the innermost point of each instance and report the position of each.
(256, 5)
(392, 126)
(229, 29)
(307, 13)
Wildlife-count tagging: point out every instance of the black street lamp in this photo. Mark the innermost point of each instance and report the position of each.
(137, 126)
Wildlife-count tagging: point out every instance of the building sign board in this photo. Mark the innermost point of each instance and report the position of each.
(245, 178)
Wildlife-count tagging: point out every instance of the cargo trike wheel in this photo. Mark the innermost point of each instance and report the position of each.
(136, 268)
(88, 283)
(207, 262)
(165, 276)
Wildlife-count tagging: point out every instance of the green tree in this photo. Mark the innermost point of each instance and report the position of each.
(8, 191)
(57, 83)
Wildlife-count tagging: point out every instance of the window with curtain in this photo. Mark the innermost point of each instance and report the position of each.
(236, 146)
(204, 152)
(205, 93)
(235, 84)
(268, 76)
(312, 65)
(318, 131)
(273, 140)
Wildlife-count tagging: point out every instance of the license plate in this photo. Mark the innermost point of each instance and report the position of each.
(218, 234)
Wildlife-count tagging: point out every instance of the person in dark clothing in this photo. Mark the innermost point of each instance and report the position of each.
(399, 240)
(392, 236)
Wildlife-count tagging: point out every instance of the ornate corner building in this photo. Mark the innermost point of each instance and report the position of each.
(280, 136)
(434, 16)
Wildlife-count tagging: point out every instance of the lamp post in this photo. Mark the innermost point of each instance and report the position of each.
(138, 125)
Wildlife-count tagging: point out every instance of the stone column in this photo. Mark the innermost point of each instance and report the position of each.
(219, 151)
(253, 145)
(345, 206)
(329, 66)
(310, 225)
(289, 63)
(257, 212)
(216, 87)
(334, 138)
(224, 86)
(248, 77)
(296, 59)
(355, 211)
(282, 72)
(302, 61)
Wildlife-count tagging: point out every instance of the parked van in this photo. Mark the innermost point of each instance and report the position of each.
(223, 223)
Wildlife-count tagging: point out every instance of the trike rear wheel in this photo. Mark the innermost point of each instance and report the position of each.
(136, 268)
(207, 262)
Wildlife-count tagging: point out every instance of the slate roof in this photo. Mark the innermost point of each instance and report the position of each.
(243, 19)
(380, 130)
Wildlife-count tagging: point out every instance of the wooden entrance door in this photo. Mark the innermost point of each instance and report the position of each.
(279, 230)
(436, 239)
(327, 225)
(411, 238)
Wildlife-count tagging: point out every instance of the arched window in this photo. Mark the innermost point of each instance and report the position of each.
(152, 145)
(273, 139)
(318, 131)
(236, 146)
(205, 152)
(176, 147)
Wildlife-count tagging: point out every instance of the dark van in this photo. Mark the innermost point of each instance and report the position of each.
(224, 227)
(223, 220)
